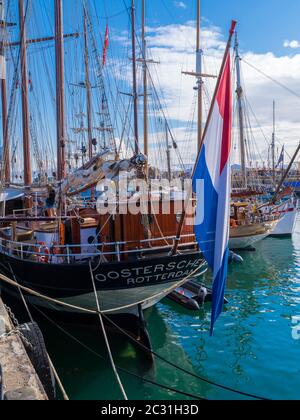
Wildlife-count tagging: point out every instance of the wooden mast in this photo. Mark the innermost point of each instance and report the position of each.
(25, 110)
(60, 89)
(145, 78)
(168, 154)
(134, 93)
(189, 193)
(239, 92)
(199, 78)
(88, 87)
(6, 155)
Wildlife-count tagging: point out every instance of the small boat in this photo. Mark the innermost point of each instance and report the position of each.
(246, 236)
(192, 295)
(248, 226)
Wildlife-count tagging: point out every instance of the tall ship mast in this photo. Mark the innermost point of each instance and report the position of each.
(239, 92)
(3, 75)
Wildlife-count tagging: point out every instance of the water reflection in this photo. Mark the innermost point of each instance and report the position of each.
(252, 348)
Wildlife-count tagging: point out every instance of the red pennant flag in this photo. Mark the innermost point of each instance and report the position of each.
(105, 47)
(30, 83)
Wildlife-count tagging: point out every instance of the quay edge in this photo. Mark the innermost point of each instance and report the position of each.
(20, 380)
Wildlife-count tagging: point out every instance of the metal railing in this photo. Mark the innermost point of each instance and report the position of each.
(257, 219)
(66, 254)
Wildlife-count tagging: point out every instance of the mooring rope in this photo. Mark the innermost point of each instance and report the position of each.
(55, 373)
(127, 372)
(179, 367)
(90, 311)
(106, 339)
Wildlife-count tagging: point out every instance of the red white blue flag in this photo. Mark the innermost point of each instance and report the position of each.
(213, 169)
(105, 46)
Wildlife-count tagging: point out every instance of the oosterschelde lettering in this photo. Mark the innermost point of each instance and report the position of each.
(151, 274)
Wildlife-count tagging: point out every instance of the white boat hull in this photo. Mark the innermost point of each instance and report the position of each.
(246, 242)
(247, 235)
(286, 225)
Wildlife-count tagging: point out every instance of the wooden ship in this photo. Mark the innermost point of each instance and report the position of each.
(56, 242)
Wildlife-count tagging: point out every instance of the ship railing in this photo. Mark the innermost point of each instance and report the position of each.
(253, 219)
(22, 212)
(66, 254)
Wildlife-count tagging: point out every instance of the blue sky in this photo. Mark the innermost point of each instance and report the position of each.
(263, 25)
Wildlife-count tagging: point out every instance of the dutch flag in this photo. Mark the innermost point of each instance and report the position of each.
(213, 170)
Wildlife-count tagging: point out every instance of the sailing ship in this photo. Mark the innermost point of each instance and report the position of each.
(57, 244)
(288, 205)
(256, 211)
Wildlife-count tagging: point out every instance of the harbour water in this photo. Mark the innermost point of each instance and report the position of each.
(254, 347)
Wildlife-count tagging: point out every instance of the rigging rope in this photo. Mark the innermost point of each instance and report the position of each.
(272, 79)
(105, 337)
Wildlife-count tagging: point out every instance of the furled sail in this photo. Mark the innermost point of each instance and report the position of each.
(100, 167)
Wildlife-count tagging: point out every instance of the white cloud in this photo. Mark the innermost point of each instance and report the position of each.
(291, 44)
(174, 47)
(180, 5)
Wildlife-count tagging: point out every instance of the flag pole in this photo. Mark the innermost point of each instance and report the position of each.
(187, 200)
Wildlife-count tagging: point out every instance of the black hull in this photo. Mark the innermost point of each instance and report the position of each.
(72, 283)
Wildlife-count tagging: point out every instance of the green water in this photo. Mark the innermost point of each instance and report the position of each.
(252, 349)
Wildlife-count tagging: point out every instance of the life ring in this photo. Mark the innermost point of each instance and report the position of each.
(43, 252)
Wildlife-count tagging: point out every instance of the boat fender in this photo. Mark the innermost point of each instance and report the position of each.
(38, 356)
(202, 295)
